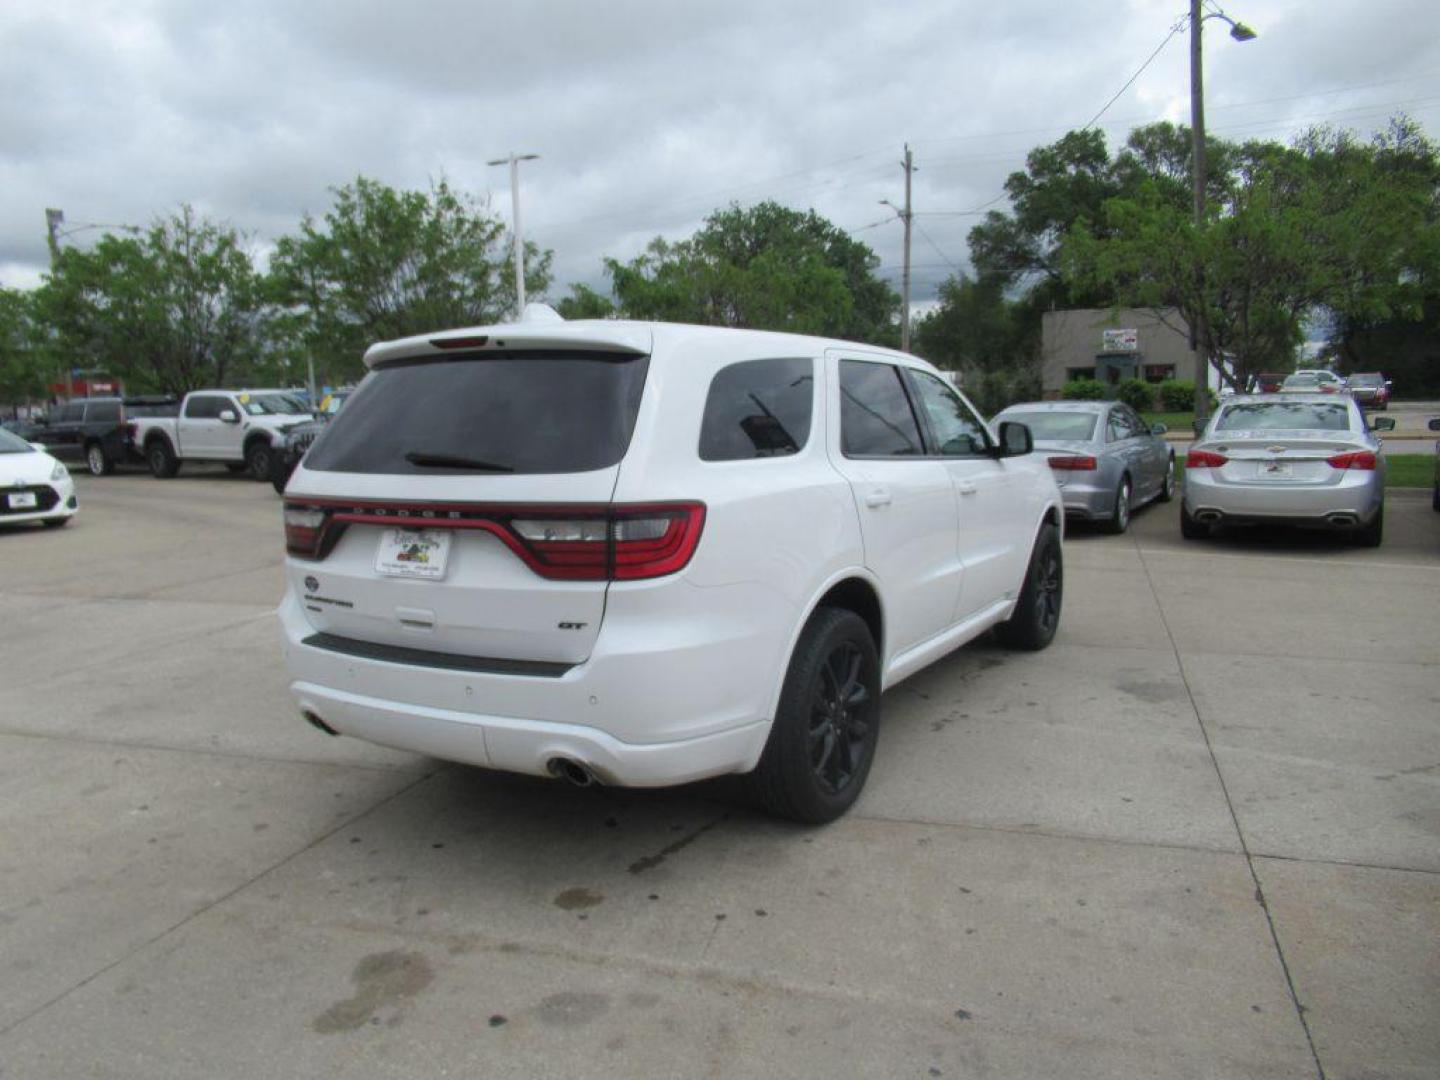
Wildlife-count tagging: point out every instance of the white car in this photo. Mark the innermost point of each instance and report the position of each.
(33, 485)
(643, 554)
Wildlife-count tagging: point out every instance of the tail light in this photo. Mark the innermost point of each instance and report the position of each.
(1075, 462)
(561, 543)
(1359, 459)
(1205, 459)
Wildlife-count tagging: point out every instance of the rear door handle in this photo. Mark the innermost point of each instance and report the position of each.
(966, 489)
(878, 497)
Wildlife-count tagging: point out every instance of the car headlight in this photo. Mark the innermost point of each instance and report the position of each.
(59, 472)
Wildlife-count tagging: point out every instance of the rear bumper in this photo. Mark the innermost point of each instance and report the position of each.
(1351, 503)
(646, 709)
(1086, 502)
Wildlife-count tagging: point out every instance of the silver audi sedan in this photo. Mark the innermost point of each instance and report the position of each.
(1105, 458)
(1291, 459)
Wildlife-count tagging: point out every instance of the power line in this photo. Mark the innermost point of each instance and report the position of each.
(1138, 72)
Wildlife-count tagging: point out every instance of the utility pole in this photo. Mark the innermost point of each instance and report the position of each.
(1198, 332)
(513, 160)
(906, 216)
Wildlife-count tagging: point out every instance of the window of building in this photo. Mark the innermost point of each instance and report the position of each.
(1079, 373)
(1155, 373)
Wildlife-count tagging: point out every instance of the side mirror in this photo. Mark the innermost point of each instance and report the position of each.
(1199, 426)
(1158, 429)
(1015, 439)
(228, 416)
(1434, 425)
(1382, 423)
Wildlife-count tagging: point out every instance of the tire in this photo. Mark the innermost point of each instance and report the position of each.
(98, 461)
(1191, 529)
(1372, 534)
(823, 739)
(1037, 612)
(280, 474)
(162, 460)
(1167, 489)
(1119, 519)
(258, 457)
(55, 523)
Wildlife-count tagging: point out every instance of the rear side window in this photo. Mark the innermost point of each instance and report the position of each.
(875, 415)
(531, 412)
(758, 408)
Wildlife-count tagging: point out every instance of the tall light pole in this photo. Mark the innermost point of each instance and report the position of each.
(513, 160)
(1199, 330)
(906, 216)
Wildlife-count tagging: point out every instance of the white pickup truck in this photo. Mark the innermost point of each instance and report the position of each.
(237, 428)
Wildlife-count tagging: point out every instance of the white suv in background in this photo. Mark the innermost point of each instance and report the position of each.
(643, 554)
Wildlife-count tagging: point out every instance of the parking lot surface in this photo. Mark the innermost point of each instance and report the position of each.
(1197, 837)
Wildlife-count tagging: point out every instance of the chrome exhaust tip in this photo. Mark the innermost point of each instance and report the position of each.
(1208, 517)
(571, 771)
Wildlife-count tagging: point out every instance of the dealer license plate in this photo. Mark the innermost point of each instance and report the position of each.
(420, 553)
(22, 500)
(1275, 470)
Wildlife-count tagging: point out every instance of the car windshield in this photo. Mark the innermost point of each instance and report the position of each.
(1056, 426)
(272, 405)
(1284, 416)
(1366, 380)
(13, 444)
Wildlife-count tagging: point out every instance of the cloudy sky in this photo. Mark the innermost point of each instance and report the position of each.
(647, 115)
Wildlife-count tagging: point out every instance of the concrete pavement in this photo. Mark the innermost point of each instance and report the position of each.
(1196, 837)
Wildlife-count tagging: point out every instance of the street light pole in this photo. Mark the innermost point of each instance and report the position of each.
(513, 160)
(1199, 327)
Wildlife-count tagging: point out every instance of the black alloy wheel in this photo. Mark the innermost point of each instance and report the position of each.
(822, 741)
(839, 724)
(162, 460)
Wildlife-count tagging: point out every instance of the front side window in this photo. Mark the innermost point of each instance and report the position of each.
(68, 414)
(515, 412)
(758, 408)
(875, 415)
(958, 431)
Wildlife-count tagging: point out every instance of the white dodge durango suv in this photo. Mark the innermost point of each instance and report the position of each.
(643, 554)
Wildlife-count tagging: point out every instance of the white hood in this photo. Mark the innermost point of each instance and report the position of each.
(25, 469)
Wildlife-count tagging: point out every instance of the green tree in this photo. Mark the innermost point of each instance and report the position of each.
(22, 361)
(387, 264)
(765, 267)
(174, 309)
(585, 303)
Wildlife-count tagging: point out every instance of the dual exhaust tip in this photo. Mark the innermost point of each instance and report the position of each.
(567, 769)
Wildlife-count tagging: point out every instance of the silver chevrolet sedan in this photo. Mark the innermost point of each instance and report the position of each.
(1291, 459)
(1105, 458)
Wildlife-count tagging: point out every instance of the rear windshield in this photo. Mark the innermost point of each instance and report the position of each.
(1366, 380)
(1056, 426)
(1285, 416)
(533, 412)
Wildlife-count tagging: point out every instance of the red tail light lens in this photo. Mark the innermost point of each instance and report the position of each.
(305, 530)
(562, 543)
(1075, 462)
(1360, 459)
(1205, 459)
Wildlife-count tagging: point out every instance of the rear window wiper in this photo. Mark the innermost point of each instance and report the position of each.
(450, 461)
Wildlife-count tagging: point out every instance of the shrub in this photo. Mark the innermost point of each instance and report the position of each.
(1177, 395)
(1136, 393)
(1084, 390)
